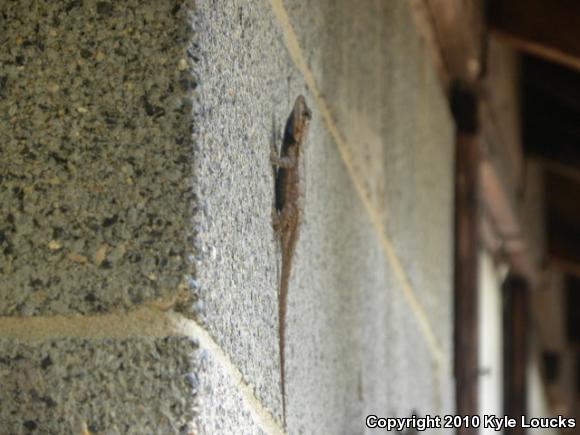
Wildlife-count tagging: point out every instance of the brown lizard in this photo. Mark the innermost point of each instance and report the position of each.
(289, 210)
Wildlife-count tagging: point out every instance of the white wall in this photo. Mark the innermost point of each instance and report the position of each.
(537, 403)
(490, 332)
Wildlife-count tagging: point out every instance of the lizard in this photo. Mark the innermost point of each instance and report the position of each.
(290, 190)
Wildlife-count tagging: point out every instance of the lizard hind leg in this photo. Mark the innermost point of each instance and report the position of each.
(280, 223)
(276, 221)
(279, 161)
(282, 220)
(274, 155)
(283, 162)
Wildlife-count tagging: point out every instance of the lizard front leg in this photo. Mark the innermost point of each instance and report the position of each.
(286, 162)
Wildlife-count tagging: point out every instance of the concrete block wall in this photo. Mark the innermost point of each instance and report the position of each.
(138, 265)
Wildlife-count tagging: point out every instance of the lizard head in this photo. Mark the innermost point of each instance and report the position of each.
(301, 119)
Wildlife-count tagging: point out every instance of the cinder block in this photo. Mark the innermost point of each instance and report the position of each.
(95, 192)
(246, 99)
(246, 86)
(137, 164)
(377, 78)
(223, 408)
(133, 386)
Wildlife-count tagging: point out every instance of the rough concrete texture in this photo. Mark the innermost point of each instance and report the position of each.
(98, 197)
(377, 78)
(222, 409)
(349, 327)
(324, 355)
(95, 168)
(400, 376)
(504, 88)
(346, 310)
(244, 98)
(103, 386)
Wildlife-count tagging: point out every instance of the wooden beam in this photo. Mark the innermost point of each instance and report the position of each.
(489, 236)
(464, 106)
(502, 162)
(454, 34)
(545, 28)
(501, 211)
(460, 31)
(501, 110)
(537, 49)
(516, 324)
(425, 25)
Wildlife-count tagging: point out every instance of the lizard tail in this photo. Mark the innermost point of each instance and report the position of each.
(282, 331)
(288, 245)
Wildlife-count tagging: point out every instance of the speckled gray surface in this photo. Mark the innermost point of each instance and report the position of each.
(377, 77)
(108, 387)
(109, 110)
(221, 408)
(245, 95)
(247, 84)
(96, 150)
